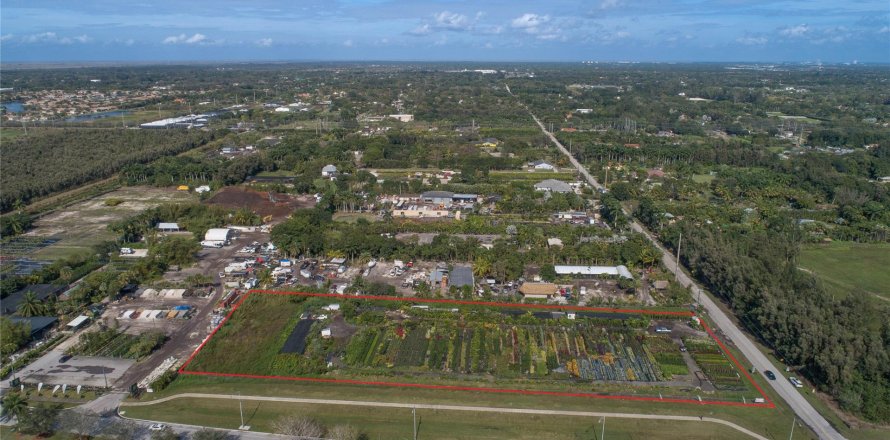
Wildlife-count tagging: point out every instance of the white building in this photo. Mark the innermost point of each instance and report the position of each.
(542, 165)
(329, 171)
(402, 117)
(218, 235)
(618, 271)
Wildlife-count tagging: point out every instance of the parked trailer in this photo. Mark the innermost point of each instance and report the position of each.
(171, 314)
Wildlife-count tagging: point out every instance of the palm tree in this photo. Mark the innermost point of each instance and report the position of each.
(65, 273)
(15, 404)
(648, 256)
(30, 305)
(481, 266)
(264, 277)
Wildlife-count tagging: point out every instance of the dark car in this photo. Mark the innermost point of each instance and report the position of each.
(769, 375)
(64, 358)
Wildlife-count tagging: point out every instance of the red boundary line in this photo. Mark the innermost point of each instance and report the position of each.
(182, 370)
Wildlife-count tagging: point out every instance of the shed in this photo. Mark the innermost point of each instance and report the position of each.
(661, 284)
(538, 290)
(168, 227)
(554, 242)
(78, 322)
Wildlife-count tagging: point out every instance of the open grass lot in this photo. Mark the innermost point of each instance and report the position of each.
(847, 267)
(82, 225)
(395, 423)
(485, 347)
(703, 178)
(770, 422)
(352, 217)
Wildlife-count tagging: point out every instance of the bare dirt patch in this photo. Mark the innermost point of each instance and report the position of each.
(279, 205)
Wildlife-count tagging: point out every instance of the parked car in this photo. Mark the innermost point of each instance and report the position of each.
(795, 381)
(64, 358)
(157, 427)
(769, 375)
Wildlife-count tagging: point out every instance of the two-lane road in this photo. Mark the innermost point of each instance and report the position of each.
(782, 387)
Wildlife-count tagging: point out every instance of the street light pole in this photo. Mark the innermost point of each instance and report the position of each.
(241, 409)
(603, 434)
(677, 265)
(793, 422)
(414, 424)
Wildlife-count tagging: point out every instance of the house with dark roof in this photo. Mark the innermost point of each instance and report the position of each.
(458, 276)
(438, 197)
(39, 325)
(10, 304)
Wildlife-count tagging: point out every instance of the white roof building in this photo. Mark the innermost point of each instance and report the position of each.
(218, 234)
(620, 271)
(553, 185)
(329, 170)
(163, 226)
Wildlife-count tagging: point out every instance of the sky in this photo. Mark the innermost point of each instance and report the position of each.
(446, 30)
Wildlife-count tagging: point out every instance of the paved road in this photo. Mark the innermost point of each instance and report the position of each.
(795, 400)
(453, 408)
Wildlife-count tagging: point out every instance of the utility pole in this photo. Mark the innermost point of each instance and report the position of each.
(603, 434)
(414, 415)
(793, 422)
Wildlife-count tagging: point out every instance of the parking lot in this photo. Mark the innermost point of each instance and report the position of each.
(53, 369)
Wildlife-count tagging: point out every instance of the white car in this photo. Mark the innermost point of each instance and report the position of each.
(795, 381)
(157, 427)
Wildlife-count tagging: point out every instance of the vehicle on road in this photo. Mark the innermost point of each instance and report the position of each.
(157, 427)
(795, 381)
(64, 358)
(769, 375)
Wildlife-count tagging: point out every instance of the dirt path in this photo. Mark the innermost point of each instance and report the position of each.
(453, 408)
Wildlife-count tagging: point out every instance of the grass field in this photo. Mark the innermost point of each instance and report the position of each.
(395, 423)
(703, 178)
(847, 267)
(773, 423)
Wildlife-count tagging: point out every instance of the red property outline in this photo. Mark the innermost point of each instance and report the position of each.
(768, 402)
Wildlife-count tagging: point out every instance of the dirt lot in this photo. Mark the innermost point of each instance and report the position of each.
(85, 224)
(184, 334)
(235, 197)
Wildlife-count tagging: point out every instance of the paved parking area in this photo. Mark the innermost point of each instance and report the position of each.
(78, 370)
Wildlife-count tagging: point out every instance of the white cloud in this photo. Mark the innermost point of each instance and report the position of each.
(529, 22)
(752, 40)
(884, 30)
(264, 42)
(423, 29)
(451, 21)
(795, 31)
(348, 43)
(185, 39)
(52, 37)
(609, 4)
(6, 37)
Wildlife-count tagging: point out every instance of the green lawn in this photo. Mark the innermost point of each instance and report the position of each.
(395, 423)
(846, 267)
(773, 423)
(703, 178)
